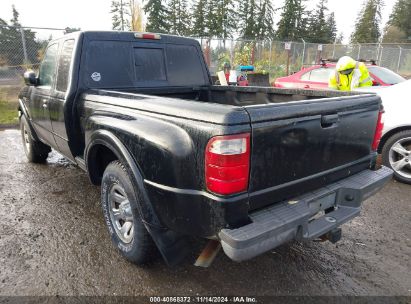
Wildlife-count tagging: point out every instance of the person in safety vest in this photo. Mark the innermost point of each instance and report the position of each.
(349, 74)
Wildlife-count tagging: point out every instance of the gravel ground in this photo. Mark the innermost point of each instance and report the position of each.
(53, 241)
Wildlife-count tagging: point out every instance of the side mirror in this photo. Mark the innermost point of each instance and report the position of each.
(30, 78)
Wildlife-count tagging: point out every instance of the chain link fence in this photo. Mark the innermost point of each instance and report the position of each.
(23, 48)
(274, 58)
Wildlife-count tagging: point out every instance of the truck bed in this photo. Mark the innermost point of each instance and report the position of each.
(301, 140)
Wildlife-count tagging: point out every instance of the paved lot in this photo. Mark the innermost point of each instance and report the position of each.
(53, 241)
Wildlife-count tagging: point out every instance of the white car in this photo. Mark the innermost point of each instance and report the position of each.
(395, 145)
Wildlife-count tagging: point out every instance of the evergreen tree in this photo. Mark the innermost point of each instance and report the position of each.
(178, 17)
(120, 11)
(321, 28)
(392, 34)
(367, 28)
(293, 20)
(198, 19)
(226, 18)
(11, 49)
(156, 16)
(401, 18)
(212, 23)
(331, 28)
(247, 19)
(339, 38)
(265, 20)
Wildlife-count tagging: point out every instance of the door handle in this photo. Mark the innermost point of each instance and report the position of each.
(306, 86)
(329, 120)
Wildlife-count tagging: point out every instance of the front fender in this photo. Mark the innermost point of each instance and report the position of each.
(23, 111)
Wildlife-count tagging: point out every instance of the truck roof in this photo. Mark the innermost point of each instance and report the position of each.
(128, 36)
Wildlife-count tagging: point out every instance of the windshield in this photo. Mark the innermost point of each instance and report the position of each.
(386, 75)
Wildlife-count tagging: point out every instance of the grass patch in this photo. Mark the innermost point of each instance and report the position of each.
(8, 113)
(8, 105)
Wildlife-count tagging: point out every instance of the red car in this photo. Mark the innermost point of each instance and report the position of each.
(316, 77)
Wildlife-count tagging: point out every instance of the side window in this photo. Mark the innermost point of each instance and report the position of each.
(64, 65)
(48, 66)
(320, 75)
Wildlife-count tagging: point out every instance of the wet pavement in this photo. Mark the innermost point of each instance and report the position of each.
(53, 241)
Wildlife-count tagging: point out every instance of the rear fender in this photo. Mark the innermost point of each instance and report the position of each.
(172, 246)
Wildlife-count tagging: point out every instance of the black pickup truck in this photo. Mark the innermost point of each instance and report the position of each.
(175, 156)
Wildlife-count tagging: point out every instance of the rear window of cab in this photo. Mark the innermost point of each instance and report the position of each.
(119, 64)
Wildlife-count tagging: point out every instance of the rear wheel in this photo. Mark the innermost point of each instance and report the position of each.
(396, 154)
(35, 151)
(119, 202)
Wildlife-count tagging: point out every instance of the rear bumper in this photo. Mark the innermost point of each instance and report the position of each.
(293, 219)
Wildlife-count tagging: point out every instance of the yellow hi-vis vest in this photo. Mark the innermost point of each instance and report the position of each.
(359, 77)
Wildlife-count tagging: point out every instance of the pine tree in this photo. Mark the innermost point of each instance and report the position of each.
(317, 26)
(340, 38)
(265, 21)
(226, 18)
(156, 16)
(120, 11)
(367, 28)
(293, 20)
(212, 23)
(247, 19)
(392, 34)
(198, 19)
(401, 17)
(11, 50)
(331, 28)
(322, 27)
(178, 17)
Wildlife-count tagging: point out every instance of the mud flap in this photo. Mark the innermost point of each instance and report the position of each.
(173, 247)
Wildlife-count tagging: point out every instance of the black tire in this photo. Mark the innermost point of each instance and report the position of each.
(389, 155)
(36, 151)
(141, 248)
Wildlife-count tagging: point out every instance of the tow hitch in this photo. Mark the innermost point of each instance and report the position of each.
(333, 236)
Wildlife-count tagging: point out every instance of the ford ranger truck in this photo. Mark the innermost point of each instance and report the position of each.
(176, 157)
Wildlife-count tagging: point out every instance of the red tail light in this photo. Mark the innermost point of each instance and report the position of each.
(378, 131)
(227, 163)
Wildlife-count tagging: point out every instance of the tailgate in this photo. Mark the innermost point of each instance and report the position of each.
(304, 145)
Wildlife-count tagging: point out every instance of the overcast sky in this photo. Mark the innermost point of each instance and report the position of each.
(95, 14)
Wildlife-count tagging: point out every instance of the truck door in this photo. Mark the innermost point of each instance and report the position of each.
(62, 95)
(40, 95)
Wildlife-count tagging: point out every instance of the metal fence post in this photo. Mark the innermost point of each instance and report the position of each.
(23, 42)
(359, 51)
(378, 53)
(381, 50)
(269, 60)
(232, 52)
(399, 59)
(302, 60)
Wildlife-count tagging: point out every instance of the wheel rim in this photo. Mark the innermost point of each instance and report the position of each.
(400, 157)
(121, 214)
(26, 138)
